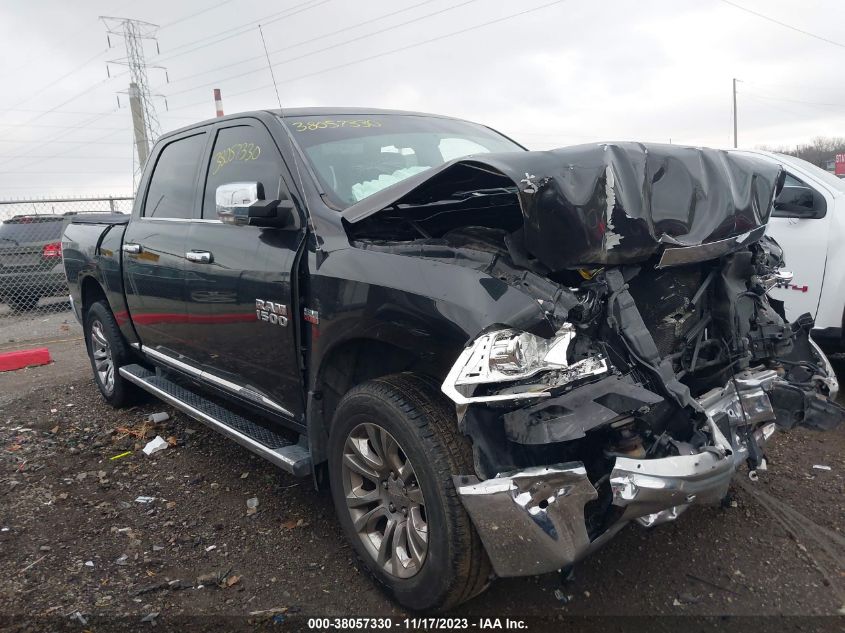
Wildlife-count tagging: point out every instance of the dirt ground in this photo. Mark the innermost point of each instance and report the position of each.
(76, 538)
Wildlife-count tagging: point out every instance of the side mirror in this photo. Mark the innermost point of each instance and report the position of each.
(234, 199)
(278, 214)
(243, 203)
(799, 202)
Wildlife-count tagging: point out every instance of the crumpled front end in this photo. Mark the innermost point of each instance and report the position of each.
(658, 387)
(669, 367)
(535, 520)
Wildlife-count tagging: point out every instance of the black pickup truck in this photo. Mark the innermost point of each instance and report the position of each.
(495, 358)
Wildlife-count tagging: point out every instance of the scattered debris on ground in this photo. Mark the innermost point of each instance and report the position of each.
(89, 525)
(155, 445)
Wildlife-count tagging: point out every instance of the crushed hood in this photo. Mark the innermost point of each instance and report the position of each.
(609, 203)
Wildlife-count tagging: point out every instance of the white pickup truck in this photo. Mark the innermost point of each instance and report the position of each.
(808, 221)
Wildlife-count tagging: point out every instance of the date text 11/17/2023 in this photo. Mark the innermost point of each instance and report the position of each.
(417, 624)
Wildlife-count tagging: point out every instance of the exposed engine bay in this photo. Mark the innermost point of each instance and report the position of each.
(671, 367)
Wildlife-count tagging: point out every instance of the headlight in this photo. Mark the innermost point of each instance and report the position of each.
(504, 356)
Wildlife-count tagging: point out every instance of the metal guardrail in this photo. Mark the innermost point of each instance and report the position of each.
(32, 278)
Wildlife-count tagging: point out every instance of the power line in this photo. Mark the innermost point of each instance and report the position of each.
(62, 142)
(54, 139)
(62, 127)
(326, 48)
(766, 102)
(54, 173)
(86, 112)
(193, 15)
(52, 83)
(304, 42)
(385, 53)
(21, 140)
(145, 124)
(784, 99)
(243, 28)
(73, 37)
(783, 24)
(42, 188)
(88, 89)
(76, 96)
(51, 157)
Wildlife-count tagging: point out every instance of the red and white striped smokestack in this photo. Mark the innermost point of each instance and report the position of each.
(218, 102)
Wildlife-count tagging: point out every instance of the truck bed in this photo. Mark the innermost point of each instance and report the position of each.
(100, 218)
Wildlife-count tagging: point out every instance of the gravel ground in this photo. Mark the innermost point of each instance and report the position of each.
(75, 538)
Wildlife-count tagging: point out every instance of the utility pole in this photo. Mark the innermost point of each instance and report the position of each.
(735, 143)
(145, 124)
(139, 128)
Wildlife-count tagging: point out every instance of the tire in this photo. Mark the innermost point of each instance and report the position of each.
(24, 303)
(412, 412)
(101, 327)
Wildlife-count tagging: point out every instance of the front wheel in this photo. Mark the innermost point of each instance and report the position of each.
(108, 353)
(393, 448)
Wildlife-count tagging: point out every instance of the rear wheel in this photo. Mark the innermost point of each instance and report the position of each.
(393, 448)
(108, 353)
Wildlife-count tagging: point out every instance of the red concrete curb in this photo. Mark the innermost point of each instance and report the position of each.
(10, 361)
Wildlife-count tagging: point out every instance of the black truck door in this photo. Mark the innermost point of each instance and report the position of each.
(233, 271)
(154, 245)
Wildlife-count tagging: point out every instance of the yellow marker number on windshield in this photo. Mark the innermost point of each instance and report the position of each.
(310, 126)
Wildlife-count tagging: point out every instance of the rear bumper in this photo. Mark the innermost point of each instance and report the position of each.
(44, 282)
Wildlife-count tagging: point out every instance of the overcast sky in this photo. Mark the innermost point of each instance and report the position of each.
(571, 72)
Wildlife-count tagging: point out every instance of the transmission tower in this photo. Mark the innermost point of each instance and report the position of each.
(145, 123)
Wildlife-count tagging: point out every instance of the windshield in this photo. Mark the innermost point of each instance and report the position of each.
(30, 229)
(825, 176)
(356, 156)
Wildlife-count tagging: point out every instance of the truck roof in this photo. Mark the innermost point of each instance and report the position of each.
(299, 112)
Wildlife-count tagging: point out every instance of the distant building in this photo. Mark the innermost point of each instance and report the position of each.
(838, 165)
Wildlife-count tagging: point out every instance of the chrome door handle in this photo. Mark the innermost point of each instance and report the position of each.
(200, 257)
(131, 248)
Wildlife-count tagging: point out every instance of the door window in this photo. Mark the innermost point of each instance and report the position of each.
(171, 190)
(242, 154)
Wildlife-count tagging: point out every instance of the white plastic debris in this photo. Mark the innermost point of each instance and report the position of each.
(210, 547)
(821, 467)
(89, 563)
(79, 618)
(143, 499)
(155, 418)
(252, 505)
(155, 445)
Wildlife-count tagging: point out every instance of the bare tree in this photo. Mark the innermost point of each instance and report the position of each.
(820, 150)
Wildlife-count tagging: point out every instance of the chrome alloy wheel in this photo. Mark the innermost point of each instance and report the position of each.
(101, 351)
(385, 500)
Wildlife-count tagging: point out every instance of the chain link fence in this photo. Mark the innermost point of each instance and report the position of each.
(32, 278)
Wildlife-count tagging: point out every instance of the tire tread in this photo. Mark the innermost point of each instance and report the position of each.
(424, 406)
